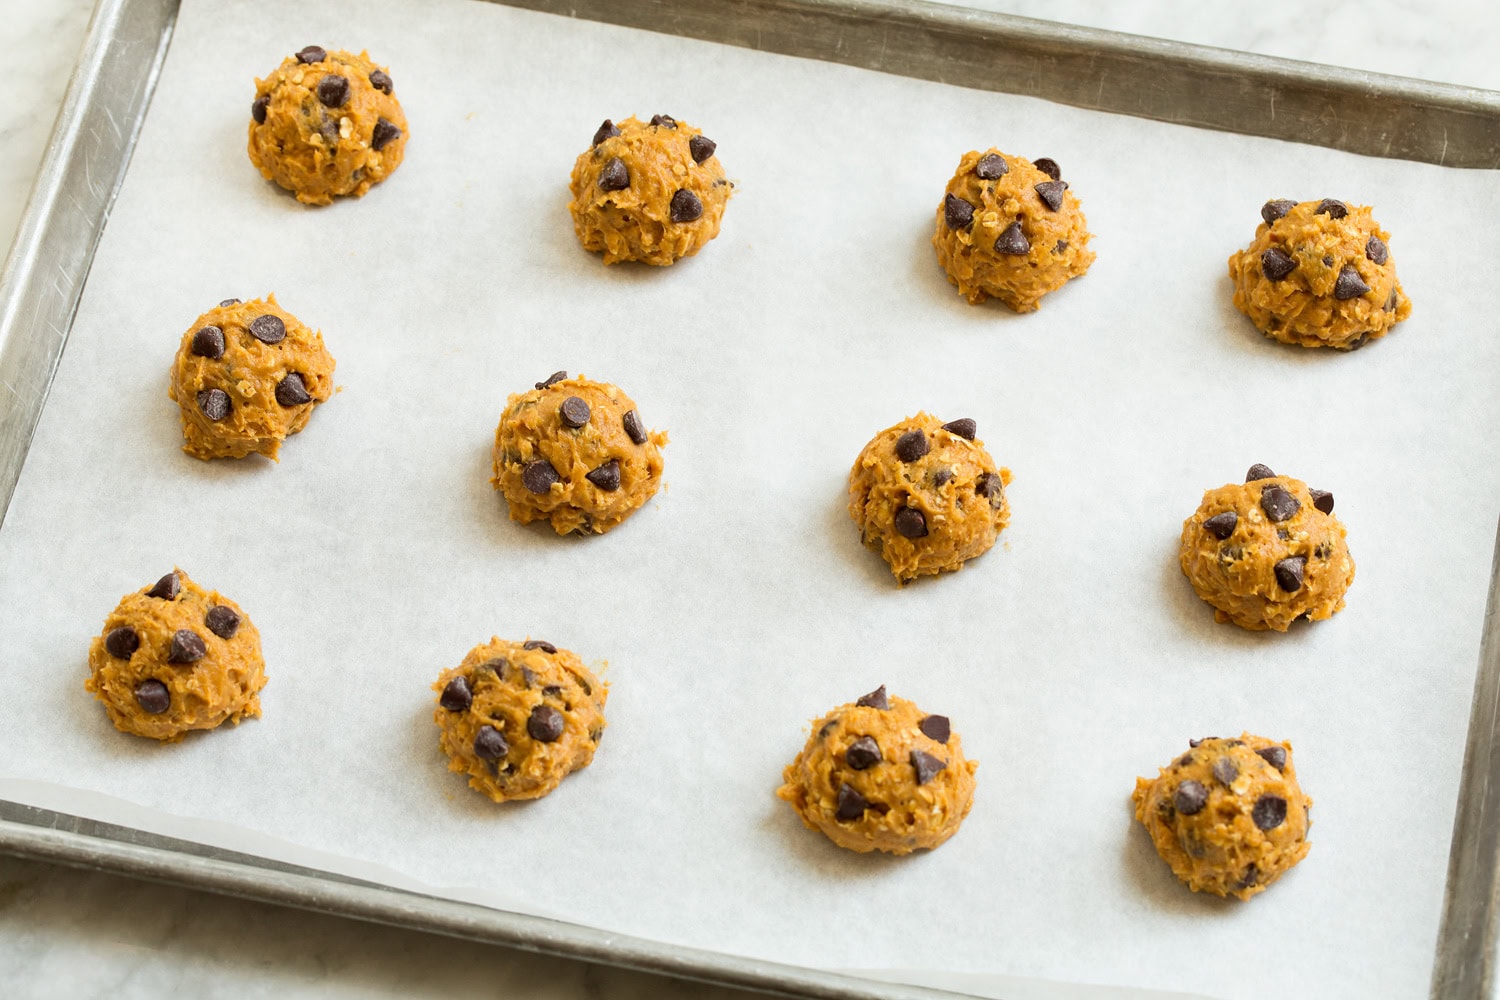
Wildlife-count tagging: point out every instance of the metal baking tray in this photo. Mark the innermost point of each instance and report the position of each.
(1366, 113)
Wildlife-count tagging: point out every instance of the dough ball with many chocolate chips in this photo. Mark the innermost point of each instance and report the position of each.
(247, 375)
(881, 775)
(577, 454)
(1267, 552)
(1010, 229)
(652, 192)
(1228, 816)
(927, 496)
(173, 657)
(325, 124)
(1319, 274)
(519, 717)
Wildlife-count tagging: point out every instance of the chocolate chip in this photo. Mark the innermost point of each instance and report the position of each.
(1273, 210)
(1390, 303)
(167, 588)
(545, 724)
(615, 176)
(862, 753)
(574, 412)
(153, 697)
(1051, 192)
(1061, 246)
(1221, 526)
(1258, 471)
(333, 91)
(230, 302)
(312, 54)
(268, 329)
(1190, 798)
(989, 486)
(1013, 241)
(957, 213)
(927, 766)
(936, 727)
(1048, 166)
(1251, 876)
(685, 206)
(851, 806)
(1278, 503)
(539, 475)
(1289, 573)
(187, 647)
(291, 391)
(552, 379)
(385, 133)
(701, 147)
(1322, 500)
(875, 699)
(258, 108)
(329, 129)
(496, 666)
(541, 644)
(1349, 284)
(209, 343)
(489, 744)
(665, 121)
(634, 429)
(606, 131)
(222, 621)
(122, 642)
(1376, 250)
(552, 691)
(964, 427)
(911, 523)
(214, 404)
(456, 696)
(912, 445)
(1198, 743)
(1276, 264)
(1332, 207)
(1225, 771)
(941, 477)
(991, 166)
(381, 81)
(1269, 812)
(607, 476)
(1275, 756)
(528, 677)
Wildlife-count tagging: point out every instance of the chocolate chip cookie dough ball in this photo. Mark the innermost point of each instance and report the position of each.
(1010, 229)
(1319, 274)
(927, 496)
(881, 775)
(174, 657)
(1267, 553)
(519, 717)
(1228, 816)
(247, 374)
(651, 192)
(325, 124)
(577, 454)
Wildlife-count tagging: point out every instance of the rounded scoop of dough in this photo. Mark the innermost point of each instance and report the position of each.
(1228, 816)
(1267, 552)
(577, 454)
(881, 775)
(519, 717)
(246, 375)
(326, 124)
(173, 657)
(927, 496)
(1009, 230)
(652, 192)
(1319, 274)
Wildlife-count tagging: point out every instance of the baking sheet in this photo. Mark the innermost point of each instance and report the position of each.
(740, 603)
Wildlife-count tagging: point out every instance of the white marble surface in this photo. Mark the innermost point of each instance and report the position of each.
(74, 934)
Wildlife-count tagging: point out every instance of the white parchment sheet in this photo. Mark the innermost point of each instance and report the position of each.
(739, 604)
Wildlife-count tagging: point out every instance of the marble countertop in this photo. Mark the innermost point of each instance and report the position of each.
(77, 934)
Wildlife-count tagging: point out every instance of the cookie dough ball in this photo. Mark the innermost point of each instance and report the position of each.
(881, 775)
(576, 453)
(1319, 274)
(519, 717)
(651, 192)
(927, 496)
(247, 374)
(326, 124)
(1228, 816)
(174, 657)
(1010, 229)
(1267, 553)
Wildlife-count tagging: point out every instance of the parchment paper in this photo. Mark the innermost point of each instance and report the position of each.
(739, 604)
